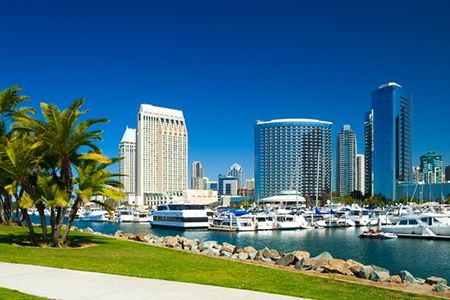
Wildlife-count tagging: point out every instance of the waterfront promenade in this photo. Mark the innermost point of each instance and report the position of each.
(69, 284)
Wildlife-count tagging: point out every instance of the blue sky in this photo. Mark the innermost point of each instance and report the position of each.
(227, 64)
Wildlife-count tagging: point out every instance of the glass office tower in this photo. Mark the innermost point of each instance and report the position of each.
(391, 155)
(293, 154)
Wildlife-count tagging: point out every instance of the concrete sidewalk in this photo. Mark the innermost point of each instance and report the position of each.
(67, 284)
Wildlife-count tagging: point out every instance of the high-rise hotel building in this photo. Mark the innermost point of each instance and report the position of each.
(293, 154)
(127, 166)
(346, 161)
(162, 152)
(388, 140)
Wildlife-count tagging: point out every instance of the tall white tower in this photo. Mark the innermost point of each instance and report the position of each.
(127, 166)
(162, 152)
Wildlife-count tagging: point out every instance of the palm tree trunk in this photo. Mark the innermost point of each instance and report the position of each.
(72, 215)
(40, 207)
(33, 236)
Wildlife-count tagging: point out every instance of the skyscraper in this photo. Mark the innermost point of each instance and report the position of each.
(127, 166)
(197, 176)
(431, 168)
(346, 161)
(162, 151)
(293, 154)
(237, 172)
(360, 162)
(391, 155)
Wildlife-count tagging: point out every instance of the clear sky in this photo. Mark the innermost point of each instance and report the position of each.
(227, 64)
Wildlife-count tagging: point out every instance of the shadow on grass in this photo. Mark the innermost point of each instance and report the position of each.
(21, 236)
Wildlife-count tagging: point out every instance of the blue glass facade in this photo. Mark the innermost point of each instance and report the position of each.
(391, 155)
(293, 154)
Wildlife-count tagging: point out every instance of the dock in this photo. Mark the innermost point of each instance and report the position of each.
(425, 237)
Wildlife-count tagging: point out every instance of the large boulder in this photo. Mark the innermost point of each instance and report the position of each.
(319, 262)
(353, 266)
(379, 275)
(242, 256)
(435, 280)
(249, 249)
(298, 265)
(238, 250)
(171, 241)
(338, 266)
(365, 272)
(408, 277)
(270, 253)
(228, 247)
(301, 254)
(208, 245)
(286, 260)
(440, 288)
(140, 237)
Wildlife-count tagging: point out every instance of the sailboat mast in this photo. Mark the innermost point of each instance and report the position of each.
(317, 179)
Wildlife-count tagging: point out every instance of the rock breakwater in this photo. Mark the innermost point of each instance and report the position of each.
(296, 260)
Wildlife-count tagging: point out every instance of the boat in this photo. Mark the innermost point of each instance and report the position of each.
(232, 223)
(378, 234)
(140, 216)
(263, 222)
(357, 214)
(429, 224)
(95, 214)
(180, 215)
(286, 221)
(124, 215)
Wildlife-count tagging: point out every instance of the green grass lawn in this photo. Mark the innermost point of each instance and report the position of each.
(115, 256)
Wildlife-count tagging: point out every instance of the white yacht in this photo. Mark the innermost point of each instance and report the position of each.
(180, 215)
(124, 214)
(232, 223)
(140, 216)
(263, 222)
(357, 214)
(421, 224)
(94, 214)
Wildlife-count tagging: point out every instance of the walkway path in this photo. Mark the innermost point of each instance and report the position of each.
(67, 284)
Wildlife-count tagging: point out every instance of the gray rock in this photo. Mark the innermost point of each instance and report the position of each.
(208, 245)
(118, 233)
(299, 263)
(225, 253)
(435, 280)
(265, 259)
(379, 275)
(441, 288)
(379, 269)
(365, 272)
(88, 230)
(242, 256)
(252, 254)
(286, 260)
(407, 277)
(324, 256)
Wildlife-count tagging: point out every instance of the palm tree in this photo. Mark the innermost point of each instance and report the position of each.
(20, 165)
(9, 99)
(60, 138)
(94, 180)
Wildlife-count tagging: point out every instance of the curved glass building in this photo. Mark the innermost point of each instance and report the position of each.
(293, 154)
(389, 132)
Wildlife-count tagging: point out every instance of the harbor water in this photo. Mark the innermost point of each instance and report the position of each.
(421, 257)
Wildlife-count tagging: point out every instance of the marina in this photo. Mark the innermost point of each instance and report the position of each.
(422, 257)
